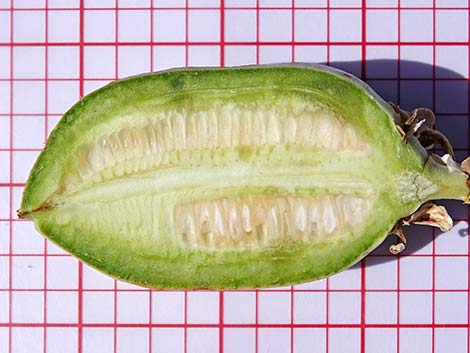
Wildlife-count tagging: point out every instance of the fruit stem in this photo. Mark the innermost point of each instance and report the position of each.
(453, 183)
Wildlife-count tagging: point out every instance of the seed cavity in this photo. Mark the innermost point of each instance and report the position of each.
(133, 150)
(261, 221)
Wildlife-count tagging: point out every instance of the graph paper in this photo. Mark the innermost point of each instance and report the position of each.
(52, 52)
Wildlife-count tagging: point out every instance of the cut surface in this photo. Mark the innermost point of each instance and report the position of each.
(225, 178)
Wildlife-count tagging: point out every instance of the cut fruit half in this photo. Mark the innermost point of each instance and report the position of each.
(236, 177)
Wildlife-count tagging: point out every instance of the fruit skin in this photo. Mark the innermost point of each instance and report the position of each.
(163, 265)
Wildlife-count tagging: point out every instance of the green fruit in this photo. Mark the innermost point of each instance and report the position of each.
(235, 178)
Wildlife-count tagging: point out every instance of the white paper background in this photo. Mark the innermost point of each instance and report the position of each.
(49, 302)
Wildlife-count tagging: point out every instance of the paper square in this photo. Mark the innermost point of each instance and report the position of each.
(28, 4)
(347, 58)
(64, 3)
(421, 54)
(99, 62)
(94, 84)
(199, 21)
(451, 97)
(269, 54)
(168, 340)
(337, 20)
(169, 3)
(26, 239)
(5, 26)
(52, 122)
(5, 170)
(451, 273)
(453, 243)
(60, 339)
(416, 94)
(5, 132)
(63, 62)
(100, 26)
(415, 340)
(62, 307)
(29, 26)
(100, 3)
(383, 340)
(134, 3)
(4, 307)
(344, 307)
(310, 54)
(62, 95)
(4, 62)
(275, 25)
(274, 340)
(349, 279)
(278, 3)
(344, 340)
(27, 272)
(381, 272)
(5, 237)
(416, 3)
(450, 340)
(306, 338)
(5, 204)
(94, 337)
(240, 3)
(93, 279)
(452, 3)
(240, 55)
(382, 3)
(381, 307)
(203, 307)
(32, 92)
(382, 25)
(5, 98)
(27, 307)
(310, 25)
(62, 272)
(5, 273)
(133, 60)
(169, 26)
(168, 307)
(17, 195)
(134, 340)
(416, 26)
(240, 25)
(452, 58)
(28, 132)
(239, 307)
(98, 307)
(27, 339)
(23, 161)
(63, 26)
(132, 307)
(309, 307)
(138, 20)
(345, 3)
(451, 307)
(238, 340)
(203, 3)
(416, 307)
(308, 3)
(381, 62)
(29, 62)
(4, 336)
(451, 26)
(202, 340)
(416, 272)
(450, 125)
(204, 55)
(267, 301)
(165, 57)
